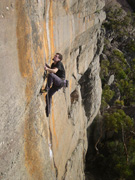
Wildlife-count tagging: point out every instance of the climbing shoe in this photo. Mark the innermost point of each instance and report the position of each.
(43, 91)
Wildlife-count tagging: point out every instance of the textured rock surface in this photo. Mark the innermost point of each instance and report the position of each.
(33, 146)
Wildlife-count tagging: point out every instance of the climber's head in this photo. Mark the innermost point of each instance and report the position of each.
(57, 57)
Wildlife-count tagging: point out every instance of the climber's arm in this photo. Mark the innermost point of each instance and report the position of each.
(51, 70)
(47, 65)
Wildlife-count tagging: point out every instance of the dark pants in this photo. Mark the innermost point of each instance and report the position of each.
(56, 82)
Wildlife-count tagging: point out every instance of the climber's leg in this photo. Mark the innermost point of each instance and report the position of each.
(55, 80)
(49, 95)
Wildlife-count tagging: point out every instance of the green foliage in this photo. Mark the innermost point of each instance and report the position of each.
(106, 97)
(104, 65)
(118, 62)
(131, 46)
(104, 105)
(116, 157)
(104, 70)
(127, 89)
(106, 43)
(124, 77)
(107, 93)
(119, 102)
(121, 74)
(119, 22)
(115, 121)
(120, 56)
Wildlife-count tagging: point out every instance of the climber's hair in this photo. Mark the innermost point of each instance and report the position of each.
(60, 56)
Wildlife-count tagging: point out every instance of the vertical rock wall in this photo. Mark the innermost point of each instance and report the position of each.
(33, 146)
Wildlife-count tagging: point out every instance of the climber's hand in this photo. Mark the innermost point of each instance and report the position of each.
(47, 65)
(45, 68)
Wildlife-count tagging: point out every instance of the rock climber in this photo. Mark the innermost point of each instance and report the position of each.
(55, 81)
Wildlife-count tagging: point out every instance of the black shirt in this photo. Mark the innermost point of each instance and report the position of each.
(61, 71)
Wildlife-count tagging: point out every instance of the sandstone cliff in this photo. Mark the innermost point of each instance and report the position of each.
(32, 146)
